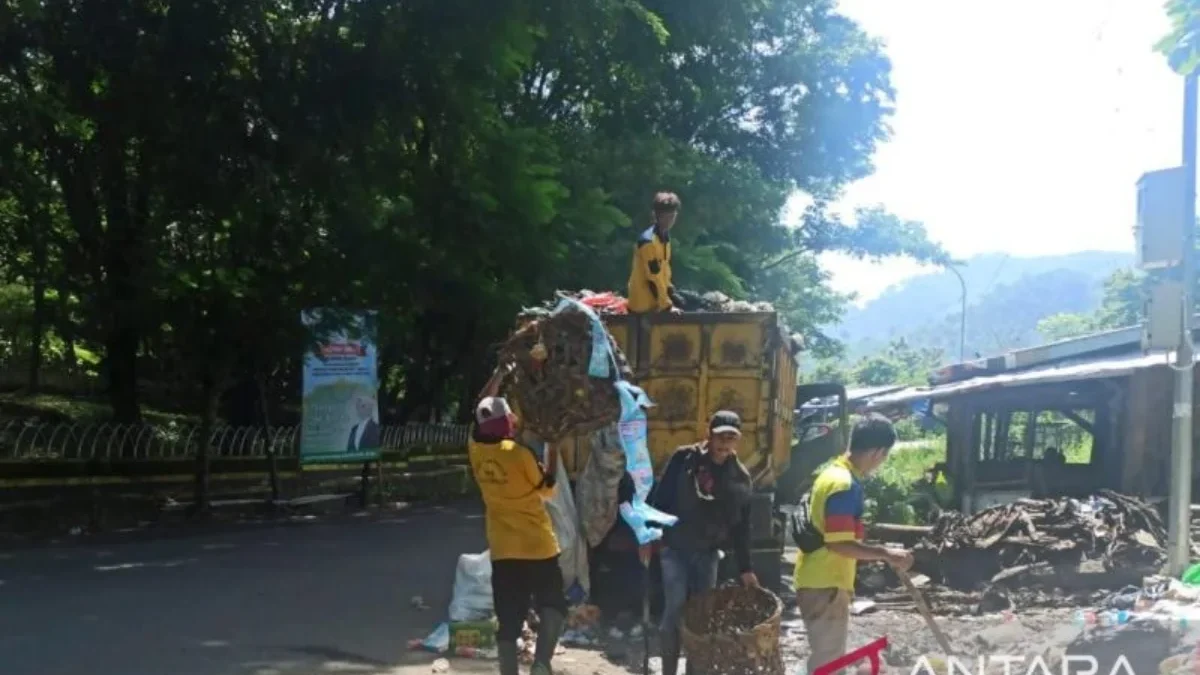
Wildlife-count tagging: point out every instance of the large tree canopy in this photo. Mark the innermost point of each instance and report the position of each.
(179, 179)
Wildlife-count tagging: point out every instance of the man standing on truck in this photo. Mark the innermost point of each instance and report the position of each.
(831, 540)
(520, 534)
(709, 490)
(650, 288)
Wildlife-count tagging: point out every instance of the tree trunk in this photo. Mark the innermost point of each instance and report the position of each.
(264, 406)
(121, 346)
(212, 400)
(38, 331)
(124, 245)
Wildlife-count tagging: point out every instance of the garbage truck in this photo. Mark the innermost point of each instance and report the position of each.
(695, 363)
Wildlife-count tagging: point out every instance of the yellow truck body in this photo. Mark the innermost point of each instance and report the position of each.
(692, 365)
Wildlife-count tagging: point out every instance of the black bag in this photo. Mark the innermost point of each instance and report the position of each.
(807, 537)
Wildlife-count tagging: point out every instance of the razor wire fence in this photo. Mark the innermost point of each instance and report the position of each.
(33, 442)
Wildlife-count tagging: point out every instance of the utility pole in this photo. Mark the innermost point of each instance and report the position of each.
(1179, 506)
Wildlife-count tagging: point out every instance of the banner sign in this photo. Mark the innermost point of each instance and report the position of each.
(340, 411)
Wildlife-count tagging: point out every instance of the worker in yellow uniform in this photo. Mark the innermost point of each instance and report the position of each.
(520, 535)
(831, 540)
(650, 288)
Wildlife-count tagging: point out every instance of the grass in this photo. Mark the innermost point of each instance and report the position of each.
(907, 464)
(58, 409)
(892, 493)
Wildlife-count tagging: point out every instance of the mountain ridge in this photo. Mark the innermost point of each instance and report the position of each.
(1006, 296)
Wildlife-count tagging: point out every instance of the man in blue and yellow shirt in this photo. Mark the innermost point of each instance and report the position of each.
(650, 288)
(824, 577)
(520, 534)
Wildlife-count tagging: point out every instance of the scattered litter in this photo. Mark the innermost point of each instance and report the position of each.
(475, 652)
(441, 666)
(437, 642)
(472, 599)
(418, 603)
(861, 606)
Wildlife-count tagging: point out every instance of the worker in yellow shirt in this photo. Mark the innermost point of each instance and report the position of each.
(650, 288)
(831, 540)
(520, 535)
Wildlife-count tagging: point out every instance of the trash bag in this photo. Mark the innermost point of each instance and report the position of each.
(1191, 576)
(647, 522)
(472, 598)
(573, 556)
(599, 483)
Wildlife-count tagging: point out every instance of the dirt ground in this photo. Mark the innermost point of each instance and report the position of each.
(1023, 634)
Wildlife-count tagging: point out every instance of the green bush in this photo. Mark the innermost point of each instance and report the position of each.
(898, 492)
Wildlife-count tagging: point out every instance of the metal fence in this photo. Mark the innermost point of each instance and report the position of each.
(31, 442)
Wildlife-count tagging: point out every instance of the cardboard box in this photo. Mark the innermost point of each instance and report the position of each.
(477, 634)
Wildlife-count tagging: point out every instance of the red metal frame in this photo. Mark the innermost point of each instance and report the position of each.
(870, 651)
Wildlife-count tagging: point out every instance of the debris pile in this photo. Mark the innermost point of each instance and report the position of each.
(716, 301)
(1120, 533)
(608, 302)
(552, 382)
(605, 302)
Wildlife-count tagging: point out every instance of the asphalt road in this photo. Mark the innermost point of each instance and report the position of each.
(324, 596)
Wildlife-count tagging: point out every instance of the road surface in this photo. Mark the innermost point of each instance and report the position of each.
(323, 596)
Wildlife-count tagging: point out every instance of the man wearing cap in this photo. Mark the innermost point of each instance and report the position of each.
(709, 490)
(520, 534)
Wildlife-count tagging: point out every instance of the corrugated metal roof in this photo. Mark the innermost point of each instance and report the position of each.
(871, 392)
(1067, 372)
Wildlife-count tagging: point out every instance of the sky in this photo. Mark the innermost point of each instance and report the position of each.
(1020, 127)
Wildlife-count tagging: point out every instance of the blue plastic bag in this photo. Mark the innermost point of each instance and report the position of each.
(637, 513)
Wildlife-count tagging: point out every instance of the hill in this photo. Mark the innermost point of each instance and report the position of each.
(1006, 297)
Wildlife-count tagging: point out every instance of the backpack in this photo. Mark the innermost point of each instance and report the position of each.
(806, 535)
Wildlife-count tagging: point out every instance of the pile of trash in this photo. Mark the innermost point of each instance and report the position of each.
(608, 302)
(564, 367)
(716, 301)
(1123, 534)
(605, 302)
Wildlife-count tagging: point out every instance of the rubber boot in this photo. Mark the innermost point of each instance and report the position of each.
(506, 653)
(547, 640)
(670, 654)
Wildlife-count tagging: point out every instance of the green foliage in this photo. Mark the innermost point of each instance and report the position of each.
(895, 494)
(176, 187)
(1181, 45)
(1122, 305)
(1062, 326)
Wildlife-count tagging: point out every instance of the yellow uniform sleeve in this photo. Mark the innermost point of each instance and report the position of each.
(535, 476)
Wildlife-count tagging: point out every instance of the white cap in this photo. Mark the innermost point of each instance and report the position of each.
(490, 408)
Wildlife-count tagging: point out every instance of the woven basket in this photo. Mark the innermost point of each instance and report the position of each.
(555, 395)
(715, 650)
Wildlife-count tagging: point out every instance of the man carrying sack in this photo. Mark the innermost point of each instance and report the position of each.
(830, 537)
(520, 534)
(709, 490)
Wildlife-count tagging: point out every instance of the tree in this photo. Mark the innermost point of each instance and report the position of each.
(1063, 325)
(203, 172)
(900, 363)
(1122, 305)
(1181, 45)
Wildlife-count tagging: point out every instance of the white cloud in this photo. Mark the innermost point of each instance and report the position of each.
(1021, 127)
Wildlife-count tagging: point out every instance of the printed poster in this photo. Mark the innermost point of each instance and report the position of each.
(340, 409)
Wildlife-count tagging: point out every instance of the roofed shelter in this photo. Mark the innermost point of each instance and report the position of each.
(1066, 418)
